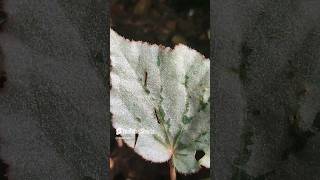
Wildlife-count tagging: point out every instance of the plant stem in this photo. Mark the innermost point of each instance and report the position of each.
(173, 175)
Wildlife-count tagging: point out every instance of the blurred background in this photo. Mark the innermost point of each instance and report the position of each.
(166, 22)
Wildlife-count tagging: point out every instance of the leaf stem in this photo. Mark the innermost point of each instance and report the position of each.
(173, 175)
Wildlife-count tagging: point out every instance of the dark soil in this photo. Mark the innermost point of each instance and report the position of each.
(166, 22)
